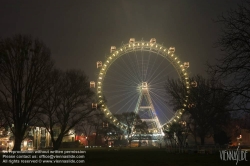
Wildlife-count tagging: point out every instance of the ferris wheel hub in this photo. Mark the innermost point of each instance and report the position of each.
(144, 85)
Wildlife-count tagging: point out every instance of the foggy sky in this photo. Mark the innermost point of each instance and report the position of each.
(80, 32)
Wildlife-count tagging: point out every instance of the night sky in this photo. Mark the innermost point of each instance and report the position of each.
(80, 32)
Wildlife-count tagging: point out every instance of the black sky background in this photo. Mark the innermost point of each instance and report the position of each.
(80, 32)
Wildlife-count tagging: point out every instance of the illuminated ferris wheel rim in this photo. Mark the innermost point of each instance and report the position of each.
(150, 46)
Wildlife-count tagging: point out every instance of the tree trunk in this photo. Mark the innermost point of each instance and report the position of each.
(18, 138)
(130, 140)
(96, 137)
(202, 140)
(195, 140)
(17, 143)
(57, 143)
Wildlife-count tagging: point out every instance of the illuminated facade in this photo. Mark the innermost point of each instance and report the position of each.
(36, 138)
(242, 139)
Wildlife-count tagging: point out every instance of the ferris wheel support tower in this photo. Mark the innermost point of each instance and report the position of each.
(146, 110)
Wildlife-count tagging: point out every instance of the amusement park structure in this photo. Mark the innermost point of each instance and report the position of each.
(145, 109)
(144, 106)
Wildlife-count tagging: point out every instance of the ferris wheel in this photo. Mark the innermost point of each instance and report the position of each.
(135, 70)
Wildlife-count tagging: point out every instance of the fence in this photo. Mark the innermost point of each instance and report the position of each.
(206, 149)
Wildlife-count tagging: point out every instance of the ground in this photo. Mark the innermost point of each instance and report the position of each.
(149, 157)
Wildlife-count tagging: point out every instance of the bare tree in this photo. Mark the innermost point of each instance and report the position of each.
(207, 108)
(24, 66)
(110, 132)
(177, 134)
(234, 65)
(3, 121)
(141, 127)
(128, 118)
(67, 103)
(133, 122)
(93, 124)
(86, 127)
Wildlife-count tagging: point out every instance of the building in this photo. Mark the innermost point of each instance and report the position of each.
(36, 138)
(243, 138)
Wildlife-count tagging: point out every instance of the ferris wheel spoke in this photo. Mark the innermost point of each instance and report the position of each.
(128, 71)
(146, 60)
(128, 68)
(142, 68)
(162, 101)
(153, 64)
(130, 105)
(138, 69)
(158, 84)
(127, 98)
(124, 93)
(120, 101)
(155, 74)
(113, 81)
(166, 113)
(154, 67)
(147, 67)
(156, 70)
(125, 77)
(157, 94)
(113, 89)
(134, 69)
(118, 89)
(160, 77)
(121, 84)
(117, 96)
(137, 65)
(137, 75)
(121, 95)
(116, 72)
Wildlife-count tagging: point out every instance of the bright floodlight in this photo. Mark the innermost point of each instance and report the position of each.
(144, 85)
